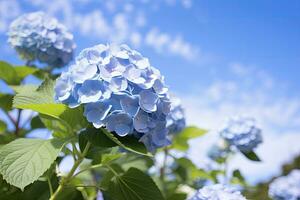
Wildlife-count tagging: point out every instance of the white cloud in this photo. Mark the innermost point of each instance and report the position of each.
(164, 42)
(277, 114)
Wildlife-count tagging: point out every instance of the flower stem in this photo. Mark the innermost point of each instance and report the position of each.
(50, 186)
(65, 180)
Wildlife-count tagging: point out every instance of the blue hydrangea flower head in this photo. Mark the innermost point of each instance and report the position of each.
(286, 187)
(217, 192)
(36, 36)
(242, 133)
(176, 119)
(120, 91)
(219, 150)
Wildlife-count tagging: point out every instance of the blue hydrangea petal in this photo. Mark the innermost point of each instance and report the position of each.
(84, 71)
(121, 123)
(130, 104)
(118, 84)
(90, 91)
(134, 75)
(63, 87)
(148, 101)
(159, 87)
(97, 112)
(141, 121)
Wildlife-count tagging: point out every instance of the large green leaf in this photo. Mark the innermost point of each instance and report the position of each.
(23, 161)
(40, 99)
(133, 185)
(180, 140)
(8, 73)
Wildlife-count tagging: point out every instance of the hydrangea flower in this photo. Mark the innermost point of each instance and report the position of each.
(120, 91)
(286, 187)
(218, 151)
(36, 36)
(242, 133)
(217, 192)
(176, 118)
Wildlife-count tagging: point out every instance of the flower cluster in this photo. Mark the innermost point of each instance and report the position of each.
(287, 187)
(176, 118)
(218, 151)
(36, 36)
(120, 90)
(242, 133)
(217, 192)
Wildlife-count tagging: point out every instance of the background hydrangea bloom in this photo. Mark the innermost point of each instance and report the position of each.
(120, 90)
(220, 150)
(242, 133)
(286, 187)
(176, 119)
(217, 192)
(36, 36)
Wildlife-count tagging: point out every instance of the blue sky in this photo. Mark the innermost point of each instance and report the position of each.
(221, 57)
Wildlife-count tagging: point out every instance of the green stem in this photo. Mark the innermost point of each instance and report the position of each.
(163, 169)
(18, 122)
(88, 168)
(66, 180)
(50, 186)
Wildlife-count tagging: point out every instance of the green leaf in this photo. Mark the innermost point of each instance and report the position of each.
(100, 143)
(107, 176)
(178, 196)
(107, 158)
(36, 123)
(129, 143)
(24, 71)
(8, 73)
(97, 137)
(23, 161)
(192, 132)
(39, 99)
(6, 101)
(143, 163)
(60, 128)
(180, 140)
(3, 127)
(134, 185)
(188, 171)
(251, 156)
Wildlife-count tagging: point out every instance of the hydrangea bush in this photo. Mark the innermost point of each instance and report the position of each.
(36, 36)
(111, 113)
(217, 192)
(286, 187)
